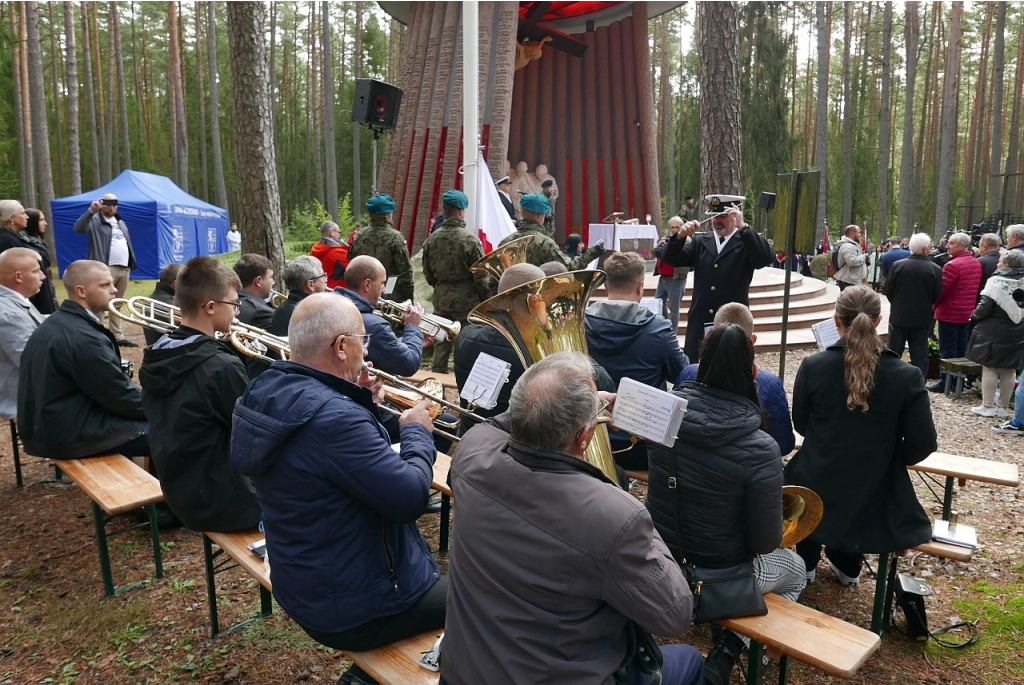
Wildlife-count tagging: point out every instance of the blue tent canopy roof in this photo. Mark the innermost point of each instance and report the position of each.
(166, 224)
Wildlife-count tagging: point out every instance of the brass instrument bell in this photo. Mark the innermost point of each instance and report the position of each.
(801, 513)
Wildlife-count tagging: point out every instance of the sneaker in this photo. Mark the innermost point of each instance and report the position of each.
(126, 343)
(843, 578)
(1010, 428)
(811, 575)
(1002, 412)
(987, 412)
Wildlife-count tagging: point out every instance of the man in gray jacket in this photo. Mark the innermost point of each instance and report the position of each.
(852, 264)
(552, 565)
(20, 279)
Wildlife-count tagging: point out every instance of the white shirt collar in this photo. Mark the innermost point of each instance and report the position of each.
(721, 242)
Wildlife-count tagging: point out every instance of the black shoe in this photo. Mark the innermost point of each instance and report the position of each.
(938, 386)
(126, 343)
(722, 658)
(355, 676)
(435, 505)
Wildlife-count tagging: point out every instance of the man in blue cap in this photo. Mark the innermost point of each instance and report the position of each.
(381, 241)
(447, 255)
(544, 249)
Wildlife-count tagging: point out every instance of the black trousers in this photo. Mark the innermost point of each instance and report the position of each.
(848, 562)
(917, 339)
(426, 614)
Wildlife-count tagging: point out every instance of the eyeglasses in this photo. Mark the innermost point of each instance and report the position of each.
(236, 304)
(364, 339)
(317, 278)
(603, 404)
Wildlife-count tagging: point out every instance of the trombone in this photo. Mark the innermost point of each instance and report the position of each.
(436, 327)
(277, 299)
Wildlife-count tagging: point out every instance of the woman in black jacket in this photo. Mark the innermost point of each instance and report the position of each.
(721, 482)
(865, 417)
(32, 235)
(997, 341)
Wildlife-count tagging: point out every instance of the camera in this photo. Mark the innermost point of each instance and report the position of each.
(109, 203)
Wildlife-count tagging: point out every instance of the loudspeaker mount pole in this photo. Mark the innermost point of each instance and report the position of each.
(376, 137)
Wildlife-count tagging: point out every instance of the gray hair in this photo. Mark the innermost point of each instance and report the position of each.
(318, 320)
(326, 227)
(919, 243)
(1014, 259)
(8, 208)
(1015, 230)
(960, 239)
(301, 269)
(553, 401)
(675, 218)
(989, 239)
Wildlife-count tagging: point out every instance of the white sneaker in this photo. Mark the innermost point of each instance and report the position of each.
(987, 412)
(843, 578)
(811, 575)
(1002, 412)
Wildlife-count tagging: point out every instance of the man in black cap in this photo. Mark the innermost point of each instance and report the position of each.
(547, 188)
(504, 184)
(723, 263)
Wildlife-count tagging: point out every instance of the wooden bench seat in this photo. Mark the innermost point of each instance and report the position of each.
(793, 630)
(236, 547)
(963, 469)
(116, 485)
(398, 663)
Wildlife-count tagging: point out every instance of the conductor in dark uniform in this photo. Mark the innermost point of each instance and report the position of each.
(723, 262)
(504, 184)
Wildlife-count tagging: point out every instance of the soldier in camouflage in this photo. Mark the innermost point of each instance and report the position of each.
(447, 255)
(381, 241)
(544, 249)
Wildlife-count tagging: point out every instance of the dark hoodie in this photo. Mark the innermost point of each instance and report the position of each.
(628, 340)
(190, 382)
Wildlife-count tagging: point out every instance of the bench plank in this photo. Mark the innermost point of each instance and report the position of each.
(399, 661)
(825, 642)
(641, 476)
(969, 468)
(442, 465)
(944, 550)
(236, 546)
(115, 483)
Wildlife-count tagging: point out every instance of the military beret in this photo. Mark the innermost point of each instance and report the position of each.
(547, 184)
(536, 203)
(380, 205)
(456, 199)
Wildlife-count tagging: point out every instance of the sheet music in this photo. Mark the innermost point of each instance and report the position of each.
(654, 304)
(647, 412)
(825, 333)
(963, 536)
(485, 381)
(389, 287)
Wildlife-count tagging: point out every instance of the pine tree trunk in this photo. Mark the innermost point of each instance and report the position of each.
(202, 104)
(995, 181)
(1013, 150)
(179, 141)
(126, 143)
(908, 194)
(821, 120)
(950, 84)
(40, 132)
(357, 66)
(104, 141)
(22, 120)
(884, 125)
(259, 209)
(54, 62)
(668, 130)
(71, 57)
(330, 164)
(314, 106)
(973, 156)
(90, 99)
(721, 145)
(273, 64)
(848, 117)
(220, 188)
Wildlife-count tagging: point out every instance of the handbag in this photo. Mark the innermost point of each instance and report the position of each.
(718, 593)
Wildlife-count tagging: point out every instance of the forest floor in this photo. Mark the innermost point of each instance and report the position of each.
(57, 627)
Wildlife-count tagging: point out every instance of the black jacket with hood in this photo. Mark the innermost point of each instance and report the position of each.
(190, 382)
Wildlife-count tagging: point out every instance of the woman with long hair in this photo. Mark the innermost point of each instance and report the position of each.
(32, 235)
(716, 495)
(865, 417)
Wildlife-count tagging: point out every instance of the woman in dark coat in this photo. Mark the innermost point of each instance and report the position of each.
(32, 235)
(722, 482)
(997, 341)
(865, 417)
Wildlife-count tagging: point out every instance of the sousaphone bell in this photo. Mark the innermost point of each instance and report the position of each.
(501, 258)
(801, 513)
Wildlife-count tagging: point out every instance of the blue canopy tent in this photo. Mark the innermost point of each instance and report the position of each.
(166, 223)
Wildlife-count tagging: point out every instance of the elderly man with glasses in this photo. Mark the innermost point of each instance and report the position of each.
(339, 504)
(303, 276)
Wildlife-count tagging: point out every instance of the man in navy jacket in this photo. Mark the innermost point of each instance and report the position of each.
(339, 504)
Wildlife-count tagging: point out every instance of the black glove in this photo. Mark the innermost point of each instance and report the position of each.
(599, 247)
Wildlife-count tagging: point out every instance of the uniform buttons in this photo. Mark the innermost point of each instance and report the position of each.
(712, 287)
(711, 311)
(716, 266)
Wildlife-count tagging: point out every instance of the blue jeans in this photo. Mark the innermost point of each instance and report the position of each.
(952, 341)
(683, 666)
(1018, 406)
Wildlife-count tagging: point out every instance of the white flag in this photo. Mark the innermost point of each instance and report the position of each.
(492, 221)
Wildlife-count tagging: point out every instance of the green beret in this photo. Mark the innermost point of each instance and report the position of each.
(456, 199)
(380, 205)
(536, 203)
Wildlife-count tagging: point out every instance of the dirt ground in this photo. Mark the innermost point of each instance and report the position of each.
(57, 627)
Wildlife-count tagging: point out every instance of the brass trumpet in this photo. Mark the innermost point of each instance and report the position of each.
(501, 258)
(436, 327)
(402, 395)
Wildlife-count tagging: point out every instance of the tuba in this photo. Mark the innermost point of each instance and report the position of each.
(501, 258)
(801, 514)
(543, 317)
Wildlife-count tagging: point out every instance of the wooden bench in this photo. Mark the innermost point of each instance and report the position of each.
(16, 454)
(962, 469)
(793, 630)
(116, 485)
(398, 663)
(442, 465)
(236, 547)
(959, 368)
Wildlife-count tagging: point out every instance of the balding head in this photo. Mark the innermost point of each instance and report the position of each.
(317, 320)
(518, 274)
(553, 401)
(20, 271)
(362, 268)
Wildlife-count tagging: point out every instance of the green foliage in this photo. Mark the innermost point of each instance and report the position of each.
(304, 223)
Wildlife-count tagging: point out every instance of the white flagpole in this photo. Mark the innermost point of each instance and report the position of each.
(470, 105)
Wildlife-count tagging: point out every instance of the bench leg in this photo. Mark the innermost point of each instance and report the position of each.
(783, 669)
(154, 533)
(446, 510)
(101, 544)
(959, 386)
(885, 579)
(266, 602)
(211, 587)
(947, 498)
(754, 663)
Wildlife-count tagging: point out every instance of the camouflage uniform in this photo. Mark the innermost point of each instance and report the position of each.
(447, 255)
(544, 249)
(382, 241)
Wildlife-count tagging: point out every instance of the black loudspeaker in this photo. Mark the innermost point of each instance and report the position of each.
(376, 104)
(910, 594)
(767, 201)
